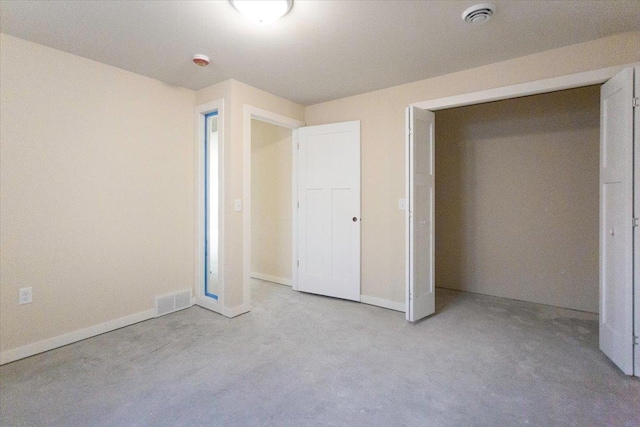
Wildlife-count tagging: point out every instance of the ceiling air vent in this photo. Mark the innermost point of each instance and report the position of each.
(478, 14)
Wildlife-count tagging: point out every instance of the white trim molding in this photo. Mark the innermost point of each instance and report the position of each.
(75, 336)
(294, 209)
(234, 311)
(523, 89)
(384, 303)
(272, 279)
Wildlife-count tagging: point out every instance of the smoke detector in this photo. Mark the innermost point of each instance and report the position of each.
(201, 60)
(478, 14)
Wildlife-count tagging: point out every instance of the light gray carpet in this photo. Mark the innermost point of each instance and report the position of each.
(304, 360)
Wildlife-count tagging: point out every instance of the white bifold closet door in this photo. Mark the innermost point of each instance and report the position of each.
(617, 219)
(421, 292)
(328, 191)
(636, 214)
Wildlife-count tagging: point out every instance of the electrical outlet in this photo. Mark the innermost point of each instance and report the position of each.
(238, 205)
(402, 204)
(25, 295)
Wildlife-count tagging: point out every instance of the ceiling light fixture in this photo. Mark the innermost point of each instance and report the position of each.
(478, 14)
(263, 11)
(201, 60)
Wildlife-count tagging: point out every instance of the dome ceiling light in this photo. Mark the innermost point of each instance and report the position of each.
(478, 14)
(201, 60)
(263, 11)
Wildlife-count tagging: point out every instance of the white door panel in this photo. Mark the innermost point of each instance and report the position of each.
(420, 214)
(329, 210)
(616, 214)
(636, 213)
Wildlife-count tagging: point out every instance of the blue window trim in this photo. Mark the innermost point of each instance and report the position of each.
(206, 204)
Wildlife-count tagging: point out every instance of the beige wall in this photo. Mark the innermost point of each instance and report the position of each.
(271, 222)
(97, 192)
(382, 114)
(517, 198)
(97, 178)
(236, 95)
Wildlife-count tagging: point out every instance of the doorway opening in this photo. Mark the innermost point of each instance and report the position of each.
(617, 213)
(271, 199)
(269, 167)
(516, 198)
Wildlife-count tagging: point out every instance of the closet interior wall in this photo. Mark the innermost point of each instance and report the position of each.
(517, 198)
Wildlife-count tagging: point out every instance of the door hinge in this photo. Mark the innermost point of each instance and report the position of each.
(636, 102)
(635, 340)
(636, 222)
(298, 144)
(298, 263)
(298, 205)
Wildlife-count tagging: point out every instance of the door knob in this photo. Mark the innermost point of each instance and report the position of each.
(355, 219)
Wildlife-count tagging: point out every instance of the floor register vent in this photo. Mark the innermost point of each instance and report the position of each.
(169, 303)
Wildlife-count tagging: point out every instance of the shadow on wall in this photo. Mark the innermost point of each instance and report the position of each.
(517, 192)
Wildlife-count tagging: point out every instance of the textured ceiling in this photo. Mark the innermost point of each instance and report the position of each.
(321, 50)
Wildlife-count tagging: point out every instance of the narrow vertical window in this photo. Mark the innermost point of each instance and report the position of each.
(211, 191)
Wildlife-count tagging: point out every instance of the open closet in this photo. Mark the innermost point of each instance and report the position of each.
(519, 206)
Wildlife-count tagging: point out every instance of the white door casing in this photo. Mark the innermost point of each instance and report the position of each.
(420, 214)
(616, 220)
(636, 214)
(328, 193)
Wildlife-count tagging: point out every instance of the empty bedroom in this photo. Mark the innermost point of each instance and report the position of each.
(306, 212)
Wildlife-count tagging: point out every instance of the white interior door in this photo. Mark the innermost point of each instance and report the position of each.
(328, 192)
(421, 295)
(616, 220)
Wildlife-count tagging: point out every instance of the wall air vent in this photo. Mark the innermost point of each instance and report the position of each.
(169, 303)
(478, 14)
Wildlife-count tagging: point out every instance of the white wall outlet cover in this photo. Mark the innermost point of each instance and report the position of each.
(402, 204)
(25, 295)
(238, 205)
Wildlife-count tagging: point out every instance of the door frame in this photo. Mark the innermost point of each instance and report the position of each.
(636, 231)
(553, 84)
(535, 87)
(200, 116)
(251, 112)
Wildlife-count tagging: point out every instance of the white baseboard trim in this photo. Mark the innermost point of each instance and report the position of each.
(62, 340)
(274, 279)
(384, 303)
(216, 307)
(235, 311)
